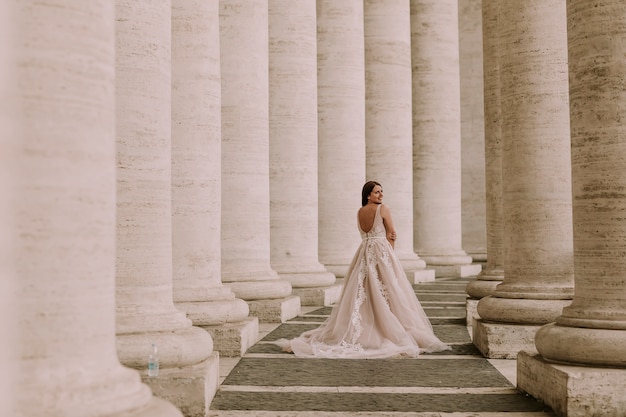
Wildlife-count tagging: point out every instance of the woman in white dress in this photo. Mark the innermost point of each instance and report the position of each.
(378, 314)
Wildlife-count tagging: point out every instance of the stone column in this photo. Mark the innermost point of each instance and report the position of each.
(65, 218)
(437, 137)
(245, 163)
(388, 119)
(293, 152)
(537, 205)
(591, 332)
(473, 220)
(8, 153)
(493, 272)
(196, 181)
(145, 307)
(341, 129)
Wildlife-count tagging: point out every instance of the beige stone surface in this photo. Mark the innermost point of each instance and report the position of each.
(245, 220)
(196, 169)
(436, 132)
(341, 129)
(537, 201)
(65, 217)
(146, 313)
(572, 391)
(503, 341)
(191, 389)
(494, 268)
(234, 339)
(9, 142)
(388, 115)
(293, 144)
(473, 221)
(595, 323)
(320, 296)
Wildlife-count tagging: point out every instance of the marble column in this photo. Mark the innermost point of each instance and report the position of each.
(196, 181)
(591, 332)
(473, 184)
(493, 272)
(537, 204)
(245, 163)
(340, 129)
(65, 218)
(437, 138)
(388, 135)
(293, 152)
(8, 153)
(145, 308)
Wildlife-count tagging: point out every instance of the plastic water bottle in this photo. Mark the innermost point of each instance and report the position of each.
(153, 362)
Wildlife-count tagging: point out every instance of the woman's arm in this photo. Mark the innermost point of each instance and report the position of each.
(388, 222)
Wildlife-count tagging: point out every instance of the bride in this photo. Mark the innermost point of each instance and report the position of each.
(378, 314)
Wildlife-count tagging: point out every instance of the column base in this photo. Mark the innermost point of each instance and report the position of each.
(471, 314)
(572, 391)
(411, 262)
(214, 313)
(460, 271)
(338, 270)
(419, 276)
(234, 339)
(308, 279)
(319, 296)
(479, 288)
(275, 310)
(504, 341)
(189, 388)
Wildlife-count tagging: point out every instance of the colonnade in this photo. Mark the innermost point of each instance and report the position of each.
(180, 172)
(184, 173)
(554, 75)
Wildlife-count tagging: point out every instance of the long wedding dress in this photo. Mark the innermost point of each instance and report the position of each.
(378, 314)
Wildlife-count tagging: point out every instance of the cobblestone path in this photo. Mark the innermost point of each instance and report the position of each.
(266, 382)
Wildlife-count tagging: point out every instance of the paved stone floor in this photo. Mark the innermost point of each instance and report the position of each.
(266, 382)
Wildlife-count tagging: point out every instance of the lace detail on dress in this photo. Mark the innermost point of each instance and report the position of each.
(355, 318)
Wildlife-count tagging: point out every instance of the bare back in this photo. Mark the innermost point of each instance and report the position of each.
(366, 216)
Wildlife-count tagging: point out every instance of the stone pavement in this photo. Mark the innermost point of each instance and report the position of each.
(266, 382)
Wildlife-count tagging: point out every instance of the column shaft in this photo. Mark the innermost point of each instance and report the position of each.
(437, 137)
(8, 153)
(538, 261)
(341, 129)
(473, 220)
(493, 272)
(293, 148)
(145, 308)
(592, 330)
(245, 162)
(65, 217)
(196, 180)
(388, 116)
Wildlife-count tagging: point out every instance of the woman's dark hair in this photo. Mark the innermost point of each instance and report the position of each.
(367, 190)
